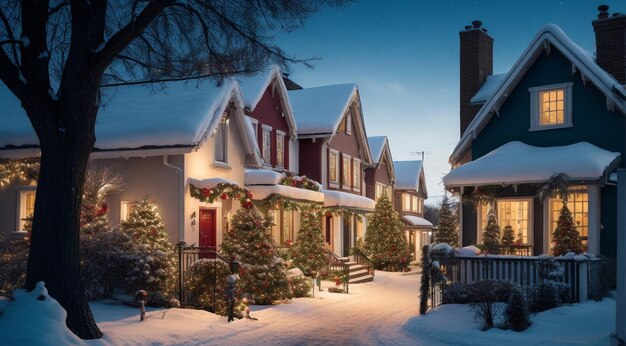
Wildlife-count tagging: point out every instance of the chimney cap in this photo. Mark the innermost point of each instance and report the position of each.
(604, 11)
(476, 24)
(467, 27)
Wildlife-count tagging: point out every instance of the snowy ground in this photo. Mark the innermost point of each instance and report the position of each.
(383, 312)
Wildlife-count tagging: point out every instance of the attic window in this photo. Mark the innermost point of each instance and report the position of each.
(551, 107)
(348, 124)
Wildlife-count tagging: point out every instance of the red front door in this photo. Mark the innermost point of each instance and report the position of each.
(207, 228)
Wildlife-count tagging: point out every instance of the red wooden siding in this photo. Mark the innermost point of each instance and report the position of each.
(311, 159)
(269, 111)
(375, 175)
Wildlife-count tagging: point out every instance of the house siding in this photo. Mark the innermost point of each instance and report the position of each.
(269, 111)
(375, 175)
(608, 219)
(310, 160)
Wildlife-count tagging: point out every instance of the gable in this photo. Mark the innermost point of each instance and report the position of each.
(355, 143)
(270, 111)
(592, 121)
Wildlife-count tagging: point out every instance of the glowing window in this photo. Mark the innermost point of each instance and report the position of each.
(578, 205)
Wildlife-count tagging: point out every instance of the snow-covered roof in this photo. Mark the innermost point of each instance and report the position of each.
(319, 110)
(253, 87)
(261, 192)
(408, 174)
(377, 144)
(347, 200)
(416, 221)
(209, 183)
(487, 88)
(517, 163)
(262, 177)
(132, 117)
(549, 36)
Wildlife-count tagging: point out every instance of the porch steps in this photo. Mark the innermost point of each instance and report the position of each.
(358, 273)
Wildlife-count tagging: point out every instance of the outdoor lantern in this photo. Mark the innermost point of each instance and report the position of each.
(231, 283)
(141, 296)
(313, 282)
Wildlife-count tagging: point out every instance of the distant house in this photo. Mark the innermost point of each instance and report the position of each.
(558, 110)
(334, 151)
(409, 194)
(380, 175)
(163, 143)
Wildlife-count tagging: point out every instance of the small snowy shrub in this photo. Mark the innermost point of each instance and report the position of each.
(551, 291)
(13, 261)
(300, 286)
(456, 293)
(517, 315)
(205, 280)
(485, 296)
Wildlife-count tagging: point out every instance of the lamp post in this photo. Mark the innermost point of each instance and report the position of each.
(141, 296)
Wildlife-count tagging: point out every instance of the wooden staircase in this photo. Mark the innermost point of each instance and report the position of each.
(358, 272)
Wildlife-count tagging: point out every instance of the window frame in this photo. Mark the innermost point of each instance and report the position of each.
(221, 128)
(580, 189)
(280, 149)
(267, 130)
(348, 124)
(346, 174)
(406, 201)
(125, 211)
(333, 183)
(535, 106)
(356, 174)
(480, 214)
(414, 204)
(22, 191)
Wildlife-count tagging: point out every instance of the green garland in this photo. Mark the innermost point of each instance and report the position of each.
(275, 201)
(348, 211)
(223, 191)
(301, 182)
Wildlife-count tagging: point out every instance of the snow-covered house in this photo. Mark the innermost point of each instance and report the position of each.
(379, 176)
(559, 109)
(409, 194)
(164, 144)
(334, 151)
(270, 114)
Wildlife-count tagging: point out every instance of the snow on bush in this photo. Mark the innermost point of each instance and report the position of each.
(205, 282)
(13, 261)
(35, 318)
(550, 291)
(468, 251)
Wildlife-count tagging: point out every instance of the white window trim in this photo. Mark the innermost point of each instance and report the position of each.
(283, 135)
(346, 157)
(414, 204)
(335, 183)
(534, 107)
(124, 212)
(269, 162)
(255, 127)
(403, 204)
(354, 162)
(217, 162)
(348, 124)
(593, 214)
(21, 206)
(531, 207)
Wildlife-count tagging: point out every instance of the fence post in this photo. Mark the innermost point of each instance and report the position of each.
(582, 281)
(181, 245)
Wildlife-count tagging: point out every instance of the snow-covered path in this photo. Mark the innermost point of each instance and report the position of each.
(373, 313)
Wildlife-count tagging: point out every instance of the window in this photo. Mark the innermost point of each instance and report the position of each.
(221, 140)
(345, 171)
(551, 107)
(348, 124)
(282, 226)
(333, 168)
(578, 204)
(280, 149)
(126, 208)
(342, 126)
(255, 127)
(406, 202)
(27, 207)
(382, 190)
(414, 204)
(356, 174)
(267, 140)
(512, 212)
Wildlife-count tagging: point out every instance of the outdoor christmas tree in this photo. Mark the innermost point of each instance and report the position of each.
(448, 229)
(385, 241)
(309, 251)
(491, 235)
(155, 264)
(566, 237)
(508, 235)
(263, 277)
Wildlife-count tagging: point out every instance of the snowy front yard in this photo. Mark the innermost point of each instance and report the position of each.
(383, 312)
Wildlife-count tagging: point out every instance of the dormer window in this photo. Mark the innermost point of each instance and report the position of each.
(551, 107)
(221, 141)
(348, 124)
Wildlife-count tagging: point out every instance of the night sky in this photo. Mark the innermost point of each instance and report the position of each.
(404, 56)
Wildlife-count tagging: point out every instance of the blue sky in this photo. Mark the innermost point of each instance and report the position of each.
(404, 57)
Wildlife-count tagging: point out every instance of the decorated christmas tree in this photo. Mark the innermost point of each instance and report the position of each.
(508, 235)
(566, 237)
(309, 251)
(448, 229)
(263, 277)
(491, 234)
(155, 264)
(385, 241)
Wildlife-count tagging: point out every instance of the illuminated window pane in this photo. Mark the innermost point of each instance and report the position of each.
(333, 166)
(552, 107)
(578, 204)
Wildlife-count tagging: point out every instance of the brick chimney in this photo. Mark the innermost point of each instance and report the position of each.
(476, 64)
(611, 42)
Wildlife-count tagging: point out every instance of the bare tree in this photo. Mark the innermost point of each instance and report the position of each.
(56, 54)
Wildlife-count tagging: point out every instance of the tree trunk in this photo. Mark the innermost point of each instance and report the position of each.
(54, 252)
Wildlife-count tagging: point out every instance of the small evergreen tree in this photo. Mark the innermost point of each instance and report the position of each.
(520, 239)
(425, 280)
(309, 251)
(262, 273)
(448, 228)
(155, 264)
(491, 235)
(385, 241)
(517, 315)
(566, 237)
(508, 236)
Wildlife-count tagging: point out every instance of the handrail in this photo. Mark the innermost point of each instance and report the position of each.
(362, 259)
(337, 265)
